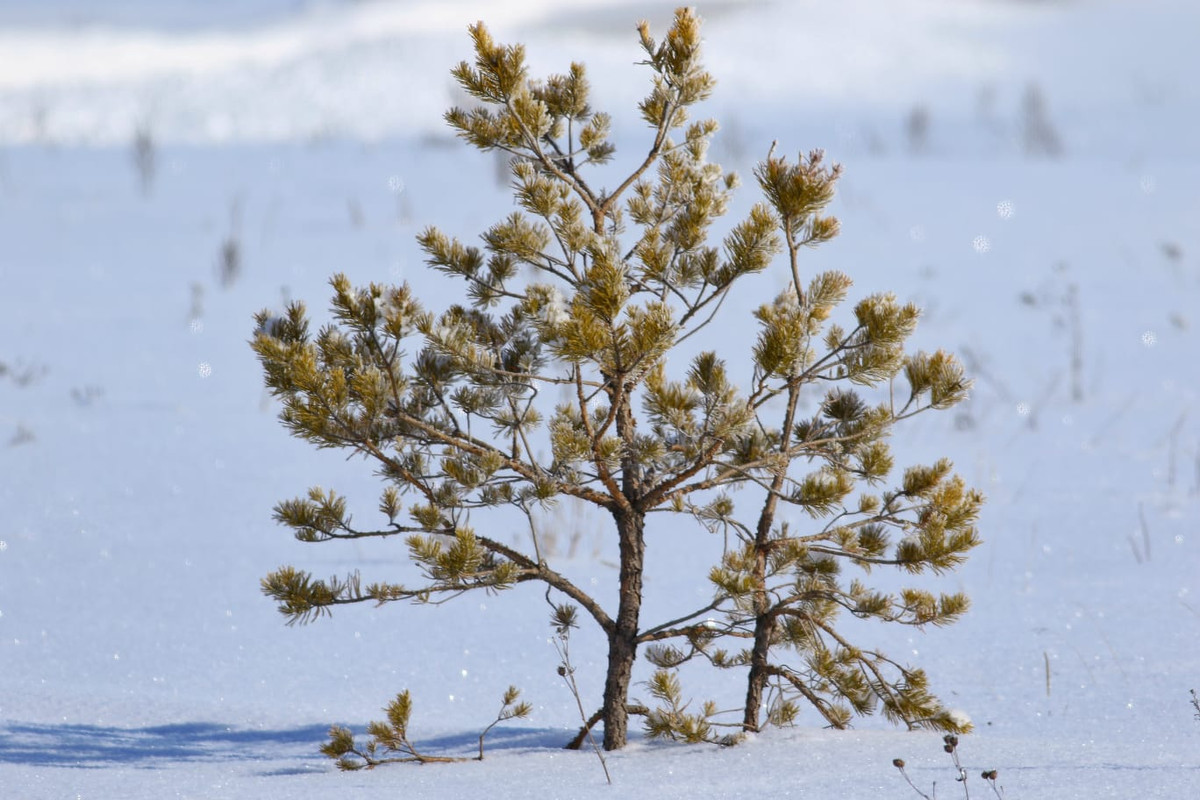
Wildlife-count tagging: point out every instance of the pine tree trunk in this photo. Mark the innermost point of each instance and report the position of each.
(764, 629)
(764, 619)
(630, 522)
(622, 641)
(764, 622)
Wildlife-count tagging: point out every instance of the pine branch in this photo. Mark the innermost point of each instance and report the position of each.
(541, 571)
(664, 492)
(475, 446)
(301, 599)
(657, 631)
(801, 686)
(509, 709)
(660, 138)
(594, 437)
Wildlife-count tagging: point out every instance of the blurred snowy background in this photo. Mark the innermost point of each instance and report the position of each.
(956, 75)
(1027, 171)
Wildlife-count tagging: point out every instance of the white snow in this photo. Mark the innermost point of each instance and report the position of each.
(959, 717)
(141, 456)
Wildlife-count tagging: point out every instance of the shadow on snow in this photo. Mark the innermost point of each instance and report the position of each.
(98, 746)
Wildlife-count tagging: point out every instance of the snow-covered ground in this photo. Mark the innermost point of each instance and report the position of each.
(141, 457)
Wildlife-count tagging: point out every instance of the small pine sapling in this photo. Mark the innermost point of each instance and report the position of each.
(389, 742)
(586, 291)
(446, 404)
(780, 585)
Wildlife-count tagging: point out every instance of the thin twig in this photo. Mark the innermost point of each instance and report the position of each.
(564, 620)
(898, 763)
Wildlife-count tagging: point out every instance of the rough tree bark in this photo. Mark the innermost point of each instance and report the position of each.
(764, 620)
(630, 519)
(622, 640)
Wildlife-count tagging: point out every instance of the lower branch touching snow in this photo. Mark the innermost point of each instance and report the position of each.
(390, 743)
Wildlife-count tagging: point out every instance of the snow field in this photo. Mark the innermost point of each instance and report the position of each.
(141, 457)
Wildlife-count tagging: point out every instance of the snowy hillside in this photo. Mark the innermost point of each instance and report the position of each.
(1026, 171)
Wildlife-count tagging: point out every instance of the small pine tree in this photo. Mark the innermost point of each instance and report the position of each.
(780, 585)
(447, 404)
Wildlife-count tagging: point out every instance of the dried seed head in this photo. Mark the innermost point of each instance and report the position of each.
(898, 763)
(562, 670)
(990, 775)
